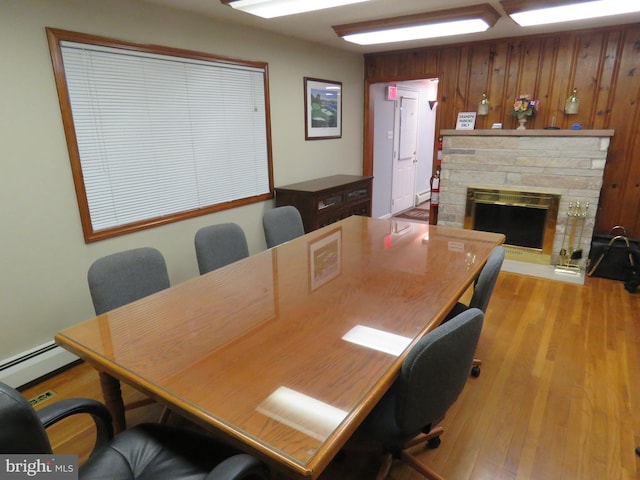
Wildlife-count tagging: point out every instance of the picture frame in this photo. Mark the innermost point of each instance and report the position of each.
(325, 259)
(322, 109)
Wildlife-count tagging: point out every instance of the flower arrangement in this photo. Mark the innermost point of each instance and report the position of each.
(524, 106)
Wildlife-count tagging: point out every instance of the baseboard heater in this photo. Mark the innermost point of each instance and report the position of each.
(35, 363)
(423, 197)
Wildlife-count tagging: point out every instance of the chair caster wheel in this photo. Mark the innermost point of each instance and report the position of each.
(433, 442)
(475, 371)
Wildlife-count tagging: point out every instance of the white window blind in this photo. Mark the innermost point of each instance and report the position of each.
(159, 134)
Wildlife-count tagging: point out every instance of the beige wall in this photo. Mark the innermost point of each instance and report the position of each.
(43, 256)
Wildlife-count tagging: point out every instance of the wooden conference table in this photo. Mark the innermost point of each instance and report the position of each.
(287, 351)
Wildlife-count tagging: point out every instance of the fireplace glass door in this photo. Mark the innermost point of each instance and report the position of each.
(527, 219)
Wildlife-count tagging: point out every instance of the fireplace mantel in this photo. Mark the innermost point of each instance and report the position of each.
(565, 162)
(498, 132)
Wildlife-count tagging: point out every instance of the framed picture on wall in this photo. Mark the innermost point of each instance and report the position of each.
(322, 109)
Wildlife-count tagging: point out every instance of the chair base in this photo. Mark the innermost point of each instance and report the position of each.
(420, 467)
(475, 367)
(404, 455)
(411, 460)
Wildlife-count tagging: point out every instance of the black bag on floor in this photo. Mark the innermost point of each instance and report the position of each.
(616, 257)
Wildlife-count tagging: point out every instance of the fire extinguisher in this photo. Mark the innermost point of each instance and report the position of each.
(435, 198)
(435, 179)
(435, 189)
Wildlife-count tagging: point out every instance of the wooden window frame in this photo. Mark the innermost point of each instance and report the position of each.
(55, 37)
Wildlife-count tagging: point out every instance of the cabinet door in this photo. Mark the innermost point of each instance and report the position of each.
(330, 202)
(329, 218)
(358, 209)
(358, 194)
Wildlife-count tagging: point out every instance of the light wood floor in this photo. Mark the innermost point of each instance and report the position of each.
(558, 397)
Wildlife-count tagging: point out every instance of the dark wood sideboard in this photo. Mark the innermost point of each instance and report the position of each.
(326, 200)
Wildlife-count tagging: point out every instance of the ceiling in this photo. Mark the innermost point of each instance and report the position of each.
(316, 26)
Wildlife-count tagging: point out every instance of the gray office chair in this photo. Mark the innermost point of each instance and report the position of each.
(482, 291)
(282, 224)
(124, 277)
(220, 245)
(432, 377)
(145, 452)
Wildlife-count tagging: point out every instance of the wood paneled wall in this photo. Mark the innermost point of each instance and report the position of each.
(603, 64)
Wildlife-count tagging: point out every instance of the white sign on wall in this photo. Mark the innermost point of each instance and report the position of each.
(466, 120)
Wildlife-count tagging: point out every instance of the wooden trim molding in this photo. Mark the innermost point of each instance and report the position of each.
(527, 133)
(55, 37)
(517, 6)
(484, 11)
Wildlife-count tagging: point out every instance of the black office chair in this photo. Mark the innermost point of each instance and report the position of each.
(220, 245)
(145, 452)
(121, 278)
(482, 291)
(432, 377)
(282, 224)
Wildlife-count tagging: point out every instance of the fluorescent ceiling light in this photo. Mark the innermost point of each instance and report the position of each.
(280, 8)
(544, 12)
(441, 23)
(418, 32)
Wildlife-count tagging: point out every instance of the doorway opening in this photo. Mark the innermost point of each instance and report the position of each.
(402, 134)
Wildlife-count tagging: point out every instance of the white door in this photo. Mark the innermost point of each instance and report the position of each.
(404, 151)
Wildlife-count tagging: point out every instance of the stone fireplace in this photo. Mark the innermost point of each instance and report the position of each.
(563, 164)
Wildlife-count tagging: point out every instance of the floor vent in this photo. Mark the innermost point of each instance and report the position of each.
(42, 397)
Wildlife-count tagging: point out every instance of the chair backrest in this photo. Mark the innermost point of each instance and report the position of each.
(220, 245)
(21, 431)
(124, 277)
(282, 224)
(487, 280)
(435, 372)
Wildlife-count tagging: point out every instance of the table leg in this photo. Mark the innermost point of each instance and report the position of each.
(112, 395)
